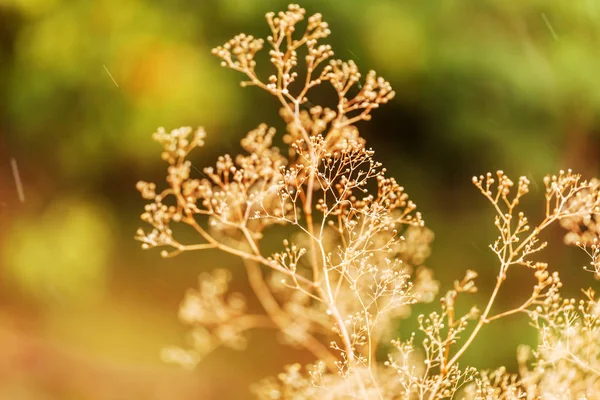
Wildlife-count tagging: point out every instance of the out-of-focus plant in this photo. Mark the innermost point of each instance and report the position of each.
(490, 71)
(101, 78)
(351, 263)
(61, 255)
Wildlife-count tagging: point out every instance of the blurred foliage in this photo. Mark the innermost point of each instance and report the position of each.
(102, 74)
(61, 255)
(481, 85)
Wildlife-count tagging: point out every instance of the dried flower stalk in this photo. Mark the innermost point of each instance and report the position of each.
(352, 260)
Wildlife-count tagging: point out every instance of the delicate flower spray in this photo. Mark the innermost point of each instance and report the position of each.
(352, 260)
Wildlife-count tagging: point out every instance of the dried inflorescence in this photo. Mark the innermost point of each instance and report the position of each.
(216, 317)
(351, 262)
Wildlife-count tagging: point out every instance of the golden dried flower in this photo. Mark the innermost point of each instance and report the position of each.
(353, 263)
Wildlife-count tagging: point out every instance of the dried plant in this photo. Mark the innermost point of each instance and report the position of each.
(352, 259)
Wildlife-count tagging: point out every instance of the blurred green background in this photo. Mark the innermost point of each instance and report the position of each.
(480, 85)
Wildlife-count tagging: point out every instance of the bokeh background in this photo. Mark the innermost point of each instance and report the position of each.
(83, 83)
